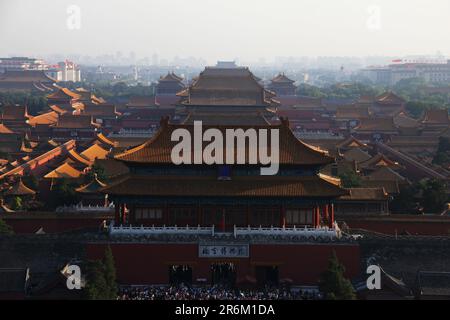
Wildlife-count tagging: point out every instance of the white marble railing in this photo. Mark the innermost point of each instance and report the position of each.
(316, 233)
(320, 232)
(133, 133)
(141, 230)
(82, 208)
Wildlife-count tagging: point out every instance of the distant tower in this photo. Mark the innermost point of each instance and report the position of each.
(155, 59)
(136, 73)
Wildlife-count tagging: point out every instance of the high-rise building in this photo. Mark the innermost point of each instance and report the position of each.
(391, 74)
(66, 71)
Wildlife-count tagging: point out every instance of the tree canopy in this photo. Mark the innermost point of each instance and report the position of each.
(350, 179)
(333, 284)
(428, 196)
(101, 278)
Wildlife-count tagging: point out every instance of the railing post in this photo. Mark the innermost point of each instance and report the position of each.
(235, 231)
(212, 230)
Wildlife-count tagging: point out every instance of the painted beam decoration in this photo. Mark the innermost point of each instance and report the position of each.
(223, 251)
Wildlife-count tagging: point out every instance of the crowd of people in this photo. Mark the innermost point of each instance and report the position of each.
(212, 293)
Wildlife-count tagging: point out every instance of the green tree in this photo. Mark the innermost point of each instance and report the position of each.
(101, 278)
(110, 273)
(96, 286)
(5, 228)
(120, 88)
(63, 193)
(333, 284)
(405, 201)
(434, 196)
(442, 156)
(309, 90)
(350, 179)
(416, 108)
(16, 203)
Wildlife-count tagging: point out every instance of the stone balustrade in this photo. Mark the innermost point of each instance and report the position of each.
(307, 232)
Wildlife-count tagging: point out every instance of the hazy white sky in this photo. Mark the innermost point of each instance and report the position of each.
(225, 29)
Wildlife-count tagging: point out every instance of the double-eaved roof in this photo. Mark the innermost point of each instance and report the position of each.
(282, 78)
(227, 87)
(292, 151)
(255, 186)
(170, 76)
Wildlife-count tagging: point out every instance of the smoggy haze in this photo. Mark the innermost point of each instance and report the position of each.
(217, 29)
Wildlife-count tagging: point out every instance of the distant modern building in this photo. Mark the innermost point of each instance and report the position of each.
(390, 75)
(21, 63)
(66, 71)
(63, 71)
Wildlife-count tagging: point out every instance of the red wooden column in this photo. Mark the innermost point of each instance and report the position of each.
(117, 213)
(331, 220)
(123, 214)
(316, 216)
(283, 217)
(326, 214)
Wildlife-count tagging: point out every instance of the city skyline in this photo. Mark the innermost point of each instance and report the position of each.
(221, 30)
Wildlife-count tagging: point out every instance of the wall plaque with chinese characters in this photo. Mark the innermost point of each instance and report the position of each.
(223, 251)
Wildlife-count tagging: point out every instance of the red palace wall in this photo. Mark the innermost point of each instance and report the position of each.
(398, 224)
(149, 263)
(30, 222)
